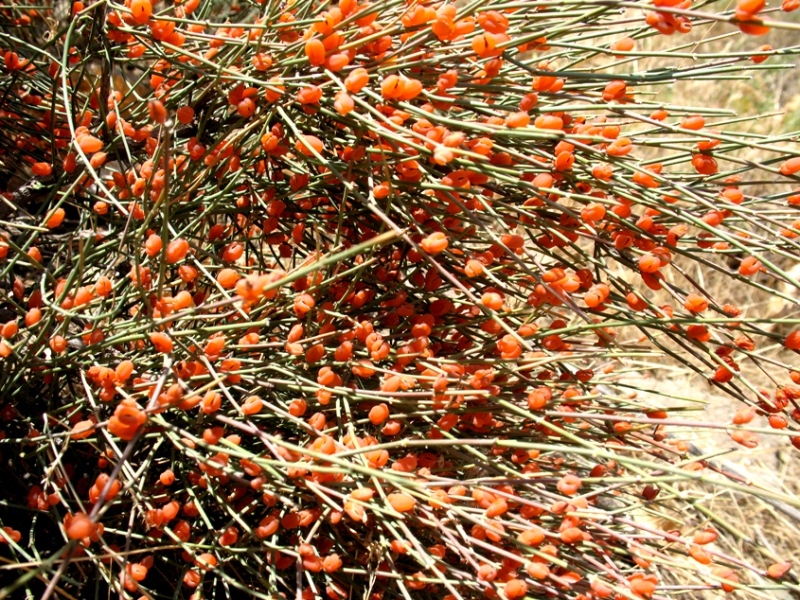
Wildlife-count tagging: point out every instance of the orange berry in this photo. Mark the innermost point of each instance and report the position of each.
(615, 90)
(695, 303)
(569, 485)
(548, 122)
(15, 535)
(518, 119)
(492, 300)
(157, 111)
(516, 588)
(32, 317)
(80, 526)
(124, 371)
(227, 278)
(141, 10)
(315, 52)
(214, 346)
(537, 570)
(246, 108)
(331, 563)
(185, 115)
(206, 561)
(161, 341)
(643, 587)
(192, 578)
(82, 430)
(790, 166)
(9, 330)
(391, 87)
(750, 7)
(750, 265)
(531, 537)
(42, 169)
(694, 123)
(649, 263)
(727, 575)
(55, 218)
(792, 341)
(153, 245)
(497, 508)
(484, 44)
(593, 212)
(252, 405)
(309, 95)
(509, 347)
(90, 144)
(58, 344)
(778, 570)
(336, 62)
(303, 304)
(167, 477)
(659, 115)
(435, 243)
(275, 90)
(743, 416)
(343, 103)
(137, 571)
(177, 250)
(356, 80)
(487, 572)
(473, 268)
(699, 554)
(297, 408)
(625, 44)
(187, 273)
(778, 422)
(571, 535)
(378, 414)
(704, 537)
(760, 58)
(401, 502)
(232, 252)
(308, 144)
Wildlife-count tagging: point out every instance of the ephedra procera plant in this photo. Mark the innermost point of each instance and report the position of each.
(306, 299)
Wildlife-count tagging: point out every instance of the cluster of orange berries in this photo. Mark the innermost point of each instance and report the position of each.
(415, 387)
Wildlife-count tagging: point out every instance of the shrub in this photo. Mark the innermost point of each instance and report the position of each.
(309, 300)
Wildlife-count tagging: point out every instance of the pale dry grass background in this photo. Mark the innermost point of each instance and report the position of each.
(753, 529)
(756, 531)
